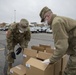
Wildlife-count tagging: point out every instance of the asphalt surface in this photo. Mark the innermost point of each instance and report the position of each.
(36, 39)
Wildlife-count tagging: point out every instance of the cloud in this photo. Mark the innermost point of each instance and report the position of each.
(30, 9)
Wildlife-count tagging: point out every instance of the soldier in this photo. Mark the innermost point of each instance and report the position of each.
(64, 34)
(18, 33)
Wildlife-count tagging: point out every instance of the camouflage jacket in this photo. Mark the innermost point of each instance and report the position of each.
(64, 31)
(14, 37)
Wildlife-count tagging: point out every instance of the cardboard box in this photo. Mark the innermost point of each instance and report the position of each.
(36, 67)
(57, 67)
(18, 70)
(64, 61)
(28, 53)
(38, 48)
(43, 55)
(61, 73)
(49, 50)
(44, 46)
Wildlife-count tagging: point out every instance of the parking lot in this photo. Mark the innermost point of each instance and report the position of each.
(36, 39)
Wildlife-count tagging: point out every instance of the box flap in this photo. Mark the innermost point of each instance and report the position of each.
(49, 50)
(44, 46)
(36, 63)
(29, 52)
(20, 70)
(43, 55)
(57, 67)
(37, 48)
(64, 61)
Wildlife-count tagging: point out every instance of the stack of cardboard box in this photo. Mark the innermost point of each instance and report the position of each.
(32, 62)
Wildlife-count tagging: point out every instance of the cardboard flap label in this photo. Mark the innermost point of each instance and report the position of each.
(28, 65)
(18, 67)
(24, 55)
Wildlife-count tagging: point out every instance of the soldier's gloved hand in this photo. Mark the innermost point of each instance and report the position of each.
(18, 51)
(47, 61)
(13, 55)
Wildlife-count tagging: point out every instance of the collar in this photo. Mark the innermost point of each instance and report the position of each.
(53, 16)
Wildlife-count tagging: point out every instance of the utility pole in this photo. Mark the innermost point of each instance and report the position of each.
(14, 16)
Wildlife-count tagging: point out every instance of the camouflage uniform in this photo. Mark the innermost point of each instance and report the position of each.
(64, 34)
(14, 37)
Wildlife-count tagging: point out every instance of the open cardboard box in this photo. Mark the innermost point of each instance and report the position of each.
(36, 67)
(57, 65)
(28, 53)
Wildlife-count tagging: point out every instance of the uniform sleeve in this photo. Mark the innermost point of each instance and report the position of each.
(60, 41)
(26, 39)
(28, 35)
(9, 38)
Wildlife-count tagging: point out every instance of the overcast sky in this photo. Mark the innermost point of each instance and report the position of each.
(30, 9)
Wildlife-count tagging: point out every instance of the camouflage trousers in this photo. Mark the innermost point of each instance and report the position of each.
(10, 62)
(71, 66)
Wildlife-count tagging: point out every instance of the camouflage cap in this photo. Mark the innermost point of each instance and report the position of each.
(43, 11)
(24, 22)
(23, 25)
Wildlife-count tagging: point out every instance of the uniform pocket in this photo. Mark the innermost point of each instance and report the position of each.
(9, 58)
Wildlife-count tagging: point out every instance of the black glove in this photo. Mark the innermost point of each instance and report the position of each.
(18, 51)
(13, 55)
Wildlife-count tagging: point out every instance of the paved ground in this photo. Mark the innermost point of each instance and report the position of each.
(37, 38)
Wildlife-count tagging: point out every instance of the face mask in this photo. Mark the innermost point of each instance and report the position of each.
(45, 23)
(21, 31)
